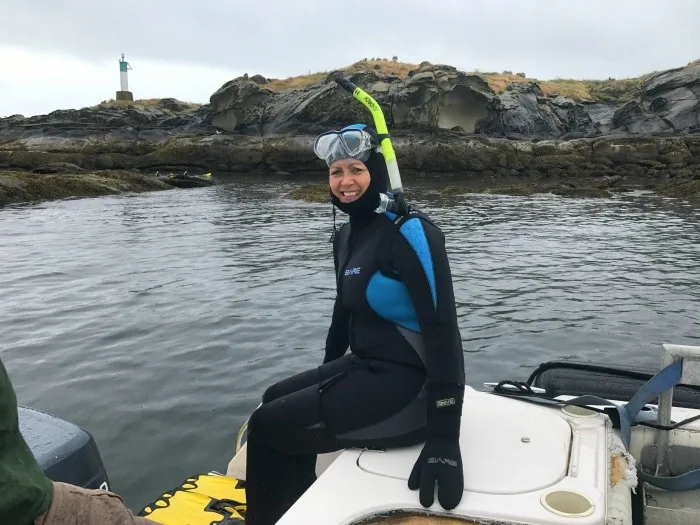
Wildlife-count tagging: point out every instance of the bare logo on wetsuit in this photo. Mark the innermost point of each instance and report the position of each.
(444, 461)
(445, 402)
(352, 271)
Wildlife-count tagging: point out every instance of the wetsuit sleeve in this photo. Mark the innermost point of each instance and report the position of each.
(419, 256)
(338, 338)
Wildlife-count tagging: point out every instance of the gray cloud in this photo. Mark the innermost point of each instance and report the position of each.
(543, 38)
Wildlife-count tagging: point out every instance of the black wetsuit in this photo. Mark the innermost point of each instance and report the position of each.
(395, 309)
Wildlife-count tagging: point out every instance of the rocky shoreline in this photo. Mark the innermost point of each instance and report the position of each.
(62, 181)
(22, 186)
(603, 163)
(444, 123)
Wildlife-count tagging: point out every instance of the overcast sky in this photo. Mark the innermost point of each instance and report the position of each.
(59, 54)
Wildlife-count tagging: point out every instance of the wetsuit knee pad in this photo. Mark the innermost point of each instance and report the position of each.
(270, 394)
(291, 423)
(256, 422)
(266, 419)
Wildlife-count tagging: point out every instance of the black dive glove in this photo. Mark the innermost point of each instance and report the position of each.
(441, 460)
(401, 204)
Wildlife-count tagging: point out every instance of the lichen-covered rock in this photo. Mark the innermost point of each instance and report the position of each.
(668, 102)
(431, 98)
(442, 121)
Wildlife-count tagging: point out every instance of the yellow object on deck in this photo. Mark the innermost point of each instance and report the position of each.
(203, 499)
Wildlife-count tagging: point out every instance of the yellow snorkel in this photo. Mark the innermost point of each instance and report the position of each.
(385, 141)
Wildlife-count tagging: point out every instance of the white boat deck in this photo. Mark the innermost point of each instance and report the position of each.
(523, 464)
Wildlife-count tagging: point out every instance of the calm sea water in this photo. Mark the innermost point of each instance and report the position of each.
(156, 321)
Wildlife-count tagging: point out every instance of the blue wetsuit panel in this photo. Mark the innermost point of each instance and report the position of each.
(414, 233)
(390, 300)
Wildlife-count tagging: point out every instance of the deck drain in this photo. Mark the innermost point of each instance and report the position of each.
(576, 411)
(567, 503)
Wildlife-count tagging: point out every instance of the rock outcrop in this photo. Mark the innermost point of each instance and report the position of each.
(445, 152)
(24, 186)
(441, 97)
(442, 121)
(431, 98)
(669, 102)
(523, 111)
(168, 117)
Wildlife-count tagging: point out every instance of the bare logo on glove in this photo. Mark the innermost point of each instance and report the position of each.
(440, 403)
(443, 461)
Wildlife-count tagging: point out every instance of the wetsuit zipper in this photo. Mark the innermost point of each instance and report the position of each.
(339, 277)
(341, 269)
(324, 385)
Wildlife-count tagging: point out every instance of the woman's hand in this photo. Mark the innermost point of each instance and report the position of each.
(440, 461)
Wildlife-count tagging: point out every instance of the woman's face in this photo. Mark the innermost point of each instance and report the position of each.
(348, 179)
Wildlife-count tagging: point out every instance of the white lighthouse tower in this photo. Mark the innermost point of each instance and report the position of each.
(124, 93)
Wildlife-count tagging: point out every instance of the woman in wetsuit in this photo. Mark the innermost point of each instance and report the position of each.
(402, 382)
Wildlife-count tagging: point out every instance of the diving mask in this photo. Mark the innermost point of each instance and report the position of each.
(344, 144)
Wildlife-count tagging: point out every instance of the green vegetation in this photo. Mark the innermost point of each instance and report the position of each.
(151, 103)
(610, 90)
(689, 190)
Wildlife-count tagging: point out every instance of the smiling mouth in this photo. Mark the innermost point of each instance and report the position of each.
(350, 193)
